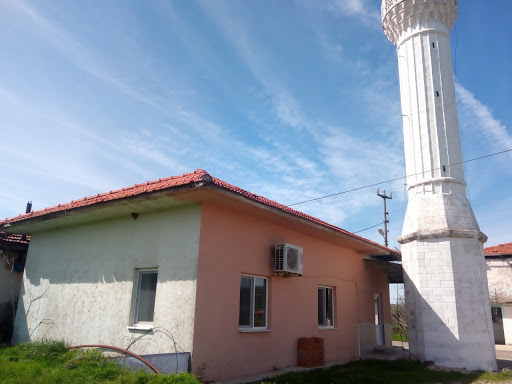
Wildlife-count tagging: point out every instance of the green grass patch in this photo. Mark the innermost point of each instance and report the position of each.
(399, 337)
(386, 372)
(51, 362)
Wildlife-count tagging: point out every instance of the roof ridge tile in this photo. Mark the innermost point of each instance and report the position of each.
(175, 181)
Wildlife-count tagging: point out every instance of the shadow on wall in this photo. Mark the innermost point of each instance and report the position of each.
(433, 340)
(426, 329)
(22, 331)
(6, 320)
(12, 263)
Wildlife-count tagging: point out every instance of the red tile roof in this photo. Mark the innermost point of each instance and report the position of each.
(14, 238)
(501, 249)
(187, 179)
(134, 190)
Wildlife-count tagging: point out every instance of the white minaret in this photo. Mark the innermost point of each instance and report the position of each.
(447, 298)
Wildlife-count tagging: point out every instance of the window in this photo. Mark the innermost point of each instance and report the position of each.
(325, 307)
(145, 296)
(253, 302)
(496, 315)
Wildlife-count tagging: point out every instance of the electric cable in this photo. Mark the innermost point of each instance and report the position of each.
(400, 178)
(373, 226)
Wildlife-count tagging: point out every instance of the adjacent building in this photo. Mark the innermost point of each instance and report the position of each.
(499, 276)
(13, 252)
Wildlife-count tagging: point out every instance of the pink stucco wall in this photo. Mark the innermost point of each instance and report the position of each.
(235, 242)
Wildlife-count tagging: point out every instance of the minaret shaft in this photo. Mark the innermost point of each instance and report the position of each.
(446, 292)
(428, 109)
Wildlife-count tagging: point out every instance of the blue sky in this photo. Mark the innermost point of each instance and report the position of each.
(292, 100)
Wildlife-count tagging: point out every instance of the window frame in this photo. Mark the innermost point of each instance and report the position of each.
(251, 326)
(136, 298)
(325, 324)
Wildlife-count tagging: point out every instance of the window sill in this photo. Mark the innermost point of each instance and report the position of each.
(327, 328)
(140, 327)
(253, 330)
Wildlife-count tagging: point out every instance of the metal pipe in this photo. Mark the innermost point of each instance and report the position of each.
(138, 357)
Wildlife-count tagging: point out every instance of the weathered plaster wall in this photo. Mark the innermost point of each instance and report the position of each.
(78, 281)
(367, 337)
(239, 243)
(499, 275)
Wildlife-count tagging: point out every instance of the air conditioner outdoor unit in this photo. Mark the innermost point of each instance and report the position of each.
(288, 259)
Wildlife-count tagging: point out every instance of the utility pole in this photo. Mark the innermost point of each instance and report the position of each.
(386, 219)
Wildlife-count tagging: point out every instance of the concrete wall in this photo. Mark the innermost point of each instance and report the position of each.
(507, 323)
(238, 243)
(367, 336)
(78, 281)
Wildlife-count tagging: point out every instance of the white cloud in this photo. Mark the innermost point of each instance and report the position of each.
(152, 149)
(368, 15)
(335, 159)
(64, 126)
(286, 109)
(479, 117)
(79, 54)
(332, 50)
(284, 105)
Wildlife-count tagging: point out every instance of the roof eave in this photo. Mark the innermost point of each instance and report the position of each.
(24, 225)
(27, 225)
(375, 249)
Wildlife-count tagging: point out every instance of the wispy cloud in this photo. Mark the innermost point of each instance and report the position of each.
(479, 117)
(79, 54)
(287, 109)
(154, 149)
(332, 50)
(65, 126)
(364, 10)
(336, 154)
(326, 159)
(284, 104)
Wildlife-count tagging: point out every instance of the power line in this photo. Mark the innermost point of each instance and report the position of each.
(399, 178)
(373, 226)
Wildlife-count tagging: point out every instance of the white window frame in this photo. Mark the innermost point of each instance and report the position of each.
(136, 324)
(251, 313)
(325, 288)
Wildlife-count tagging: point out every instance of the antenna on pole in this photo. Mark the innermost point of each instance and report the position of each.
(384, 232)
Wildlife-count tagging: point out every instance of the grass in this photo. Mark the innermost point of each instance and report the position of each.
(386, 372)
(399, 337)
(51, 362)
